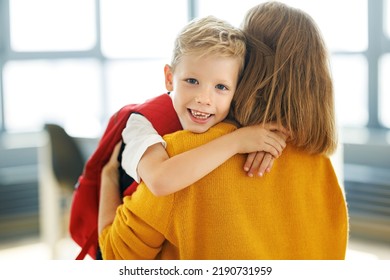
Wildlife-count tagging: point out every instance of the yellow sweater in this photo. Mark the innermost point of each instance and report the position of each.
(297, 211)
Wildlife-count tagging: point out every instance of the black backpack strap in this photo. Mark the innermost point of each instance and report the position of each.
(124, 179)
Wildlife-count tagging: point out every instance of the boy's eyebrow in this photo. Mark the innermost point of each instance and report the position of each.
(189, 72)
(223, 81)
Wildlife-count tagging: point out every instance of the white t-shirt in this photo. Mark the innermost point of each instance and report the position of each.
(138, 135)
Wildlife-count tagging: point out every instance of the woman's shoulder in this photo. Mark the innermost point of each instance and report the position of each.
(215, 131)
(183, 140)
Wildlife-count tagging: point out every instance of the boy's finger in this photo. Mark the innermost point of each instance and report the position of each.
(270, 165)
(256, 163)
(249, 160)
(265, 165)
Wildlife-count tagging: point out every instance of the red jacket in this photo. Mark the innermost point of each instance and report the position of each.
(84, 211)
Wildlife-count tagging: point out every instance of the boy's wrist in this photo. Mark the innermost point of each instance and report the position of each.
(236, 141)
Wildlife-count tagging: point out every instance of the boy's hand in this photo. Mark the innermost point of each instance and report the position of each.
(259, 138)
(271, 140)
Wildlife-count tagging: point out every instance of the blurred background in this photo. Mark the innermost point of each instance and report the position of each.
(67, 65)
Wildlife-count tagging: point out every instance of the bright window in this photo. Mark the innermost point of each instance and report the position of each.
(60, 91)
(350, 89)
(141, 29)
(133, 81)
(384, 90)
(52, 25)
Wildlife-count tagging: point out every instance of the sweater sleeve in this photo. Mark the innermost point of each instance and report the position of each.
(129, 238)
(139, 228)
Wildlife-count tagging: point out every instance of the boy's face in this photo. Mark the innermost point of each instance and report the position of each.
(202, 89)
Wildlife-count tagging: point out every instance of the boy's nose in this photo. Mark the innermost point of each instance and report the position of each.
(203, 98)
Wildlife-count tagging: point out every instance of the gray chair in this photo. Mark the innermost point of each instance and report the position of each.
(66, 157)
(61, 162)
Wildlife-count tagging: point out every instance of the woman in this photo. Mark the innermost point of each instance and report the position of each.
(298, 210)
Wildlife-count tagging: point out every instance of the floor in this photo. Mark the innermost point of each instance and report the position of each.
(33, 249)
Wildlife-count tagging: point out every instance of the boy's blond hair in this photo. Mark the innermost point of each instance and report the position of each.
(287, 77)
(209, 36)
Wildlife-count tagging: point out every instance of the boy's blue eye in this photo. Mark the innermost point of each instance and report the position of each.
(221, 87)
(192, 81)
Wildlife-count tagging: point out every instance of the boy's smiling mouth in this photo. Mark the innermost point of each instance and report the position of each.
(199, 115)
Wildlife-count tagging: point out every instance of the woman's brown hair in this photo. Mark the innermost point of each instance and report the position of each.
(287, 78)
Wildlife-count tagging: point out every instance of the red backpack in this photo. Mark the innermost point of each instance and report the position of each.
(85, 204)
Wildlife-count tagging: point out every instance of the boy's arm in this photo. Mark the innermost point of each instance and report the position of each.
(138, 135)
(164, 175)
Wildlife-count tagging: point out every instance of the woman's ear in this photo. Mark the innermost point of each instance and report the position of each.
(168, 77)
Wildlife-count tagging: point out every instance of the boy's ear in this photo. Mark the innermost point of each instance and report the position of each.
(168, 77)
